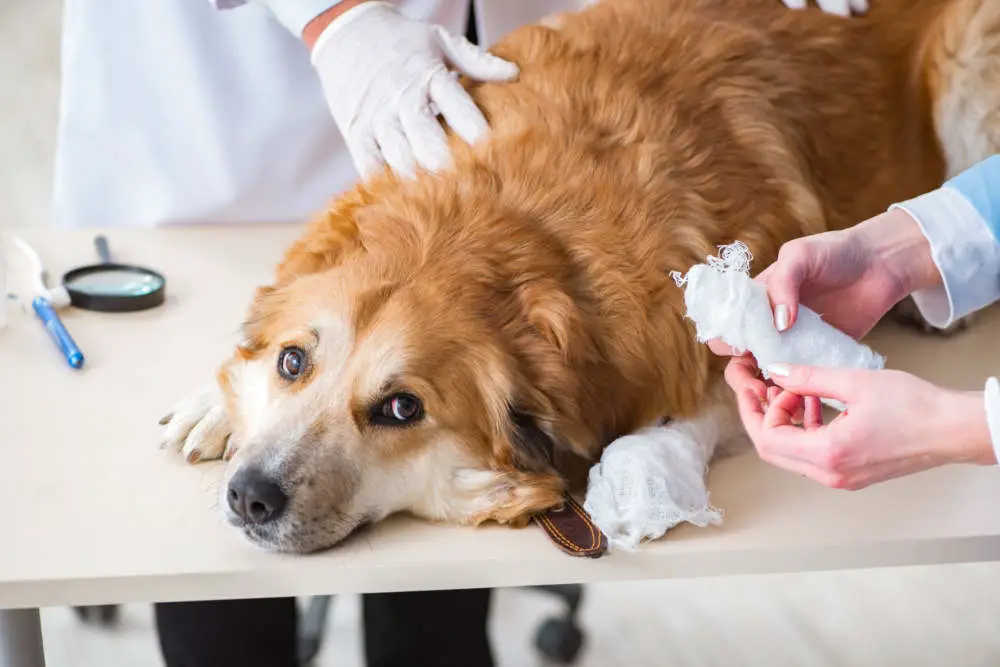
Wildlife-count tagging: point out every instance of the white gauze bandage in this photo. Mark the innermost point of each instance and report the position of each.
(725, 303)
(649, 481)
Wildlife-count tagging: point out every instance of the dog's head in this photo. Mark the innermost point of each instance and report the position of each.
(405, 378)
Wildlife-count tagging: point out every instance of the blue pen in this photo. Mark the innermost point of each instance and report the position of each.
(47, 314)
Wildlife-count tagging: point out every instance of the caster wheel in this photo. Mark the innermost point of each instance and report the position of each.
(308, 650)
(103, 615)
(559, 640)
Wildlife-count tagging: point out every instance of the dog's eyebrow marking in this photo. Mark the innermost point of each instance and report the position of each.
(310, 338)
(369, 304)
(391, 384)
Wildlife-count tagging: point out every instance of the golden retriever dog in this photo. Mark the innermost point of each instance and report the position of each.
(439, 345)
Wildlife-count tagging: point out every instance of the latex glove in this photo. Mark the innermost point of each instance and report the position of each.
(841, 7)
(895, 424)
(386, 77)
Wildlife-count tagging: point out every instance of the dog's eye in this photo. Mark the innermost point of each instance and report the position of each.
(398, 410)
(291, 363)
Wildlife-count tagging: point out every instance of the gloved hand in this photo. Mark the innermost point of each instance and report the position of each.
(386, 77)
(841, 7)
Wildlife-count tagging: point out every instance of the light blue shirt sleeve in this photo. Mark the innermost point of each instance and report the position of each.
(961, 221)
(980, 184)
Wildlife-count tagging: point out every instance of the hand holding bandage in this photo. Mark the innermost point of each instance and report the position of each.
(894, 424)
(726, 304)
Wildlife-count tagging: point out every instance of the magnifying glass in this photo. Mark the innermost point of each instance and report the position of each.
(114, 288)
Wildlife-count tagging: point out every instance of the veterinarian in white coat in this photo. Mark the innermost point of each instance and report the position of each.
(178, 111)
(182, 111)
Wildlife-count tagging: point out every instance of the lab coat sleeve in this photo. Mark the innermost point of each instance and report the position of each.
(961, 221)
(293, 14)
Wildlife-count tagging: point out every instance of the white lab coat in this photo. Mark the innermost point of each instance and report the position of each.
(175, 112)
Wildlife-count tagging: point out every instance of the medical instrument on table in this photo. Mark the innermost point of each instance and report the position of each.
(45, 302)
(56, 296)
(50, 319)
(112, 287)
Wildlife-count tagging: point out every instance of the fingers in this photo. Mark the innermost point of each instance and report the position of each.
(751, 411)
(427, 139)
(416, 136)
(783, 280)
(813, 413)
(472, 61)
(720, 349)
(395, 146)
(457, 108)
(364, 152)
(779, 442)
(838, 7)
(741, 376)
(783, 408)
(840, 384)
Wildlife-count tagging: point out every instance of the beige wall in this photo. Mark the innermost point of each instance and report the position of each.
(29, 89)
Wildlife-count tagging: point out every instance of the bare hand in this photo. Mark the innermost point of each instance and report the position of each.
(850, 277)
(895, 424)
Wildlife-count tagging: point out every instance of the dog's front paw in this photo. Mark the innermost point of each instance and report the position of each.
(199, 427)
(645, 484)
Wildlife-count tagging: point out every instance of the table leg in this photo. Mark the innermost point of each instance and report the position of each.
(21, 638)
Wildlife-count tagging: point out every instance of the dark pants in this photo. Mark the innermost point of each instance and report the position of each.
(423, 629)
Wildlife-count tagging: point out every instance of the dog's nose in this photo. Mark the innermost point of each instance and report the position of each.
(254, 497)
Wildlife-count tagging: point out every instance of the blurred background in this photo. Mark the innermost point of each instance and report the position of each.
(933, 616)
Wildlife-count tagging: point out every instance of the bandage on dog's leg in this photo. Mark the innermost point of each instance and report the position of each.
(725, 303)
(649, 481)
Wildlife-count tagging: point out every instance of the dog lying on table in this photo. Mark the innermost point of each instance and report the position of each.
(440, 346)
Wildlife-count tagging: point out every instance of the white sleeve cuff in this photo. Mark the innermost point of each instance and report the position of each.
(344, 20)
(295, 15)
(964, 251)
(991, 396)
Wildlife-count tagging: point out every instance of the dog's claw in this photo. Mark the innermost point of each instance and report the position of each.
(231, 449)
(198, 427)
(165, 419)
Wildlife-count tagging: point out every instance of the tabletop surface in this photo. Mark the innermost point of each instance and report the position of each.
(96, 512)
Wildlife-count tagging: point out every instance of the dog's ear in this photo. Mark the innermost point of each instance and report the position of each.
(526, 483)
(532, 449)
(551, 341)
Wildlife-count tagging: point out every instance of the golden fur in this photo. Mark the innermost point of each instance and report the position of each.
(524, 294)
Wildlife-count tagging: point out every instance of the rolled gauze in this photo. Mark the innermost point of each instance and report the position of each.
(725, 303)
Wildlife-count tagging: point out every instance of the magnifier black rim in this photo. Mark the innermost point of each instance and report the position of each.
(109, 303)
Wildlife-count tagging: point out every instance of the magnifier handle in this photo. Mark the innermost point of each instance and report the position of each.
(103, 251)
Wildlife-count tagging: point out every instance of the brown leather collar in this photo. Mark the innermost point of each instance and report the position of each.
(572, 530)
